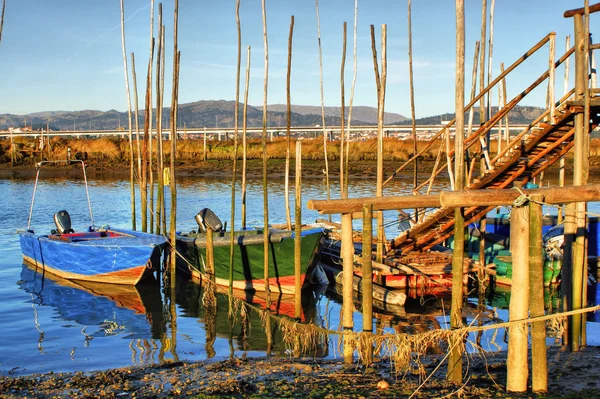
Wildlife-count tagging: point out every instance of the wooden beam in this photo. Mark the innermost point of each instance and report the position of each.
(449, 199)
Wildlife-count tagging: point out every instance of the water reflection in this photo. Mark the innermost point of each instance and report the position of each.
(133, 312)
(246, 330)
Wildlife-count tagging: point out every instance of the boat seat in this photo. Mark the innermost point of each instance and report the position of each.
(208, 219)
(62, 220)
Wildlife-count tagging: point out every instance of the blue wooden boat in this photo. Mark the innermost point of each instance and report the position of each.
(103, 255)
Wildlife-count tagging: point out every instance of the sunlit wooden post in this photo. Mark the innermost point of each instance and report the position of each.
(347, 276)
(367, 275)
(539, 360)
(298, 233)
(517, 367)
(455, 360)
(578, 247)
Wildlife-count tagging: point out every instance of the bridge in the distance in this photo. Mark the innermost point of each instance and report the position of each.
(399, 131)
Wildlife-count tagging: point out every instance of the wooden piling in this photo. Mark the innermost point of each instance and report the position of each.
(367, 274)
(150, 174)
(412, 105)
(454, 372)
(204, 147)
(517, 367)
(235, 148)
(539, 361)
(288, 127)
(163, 222)
(264, 156)
(173, 184)
(355, 69)
(482, 114)
(473, 89)
(581, 75)
(210, 254)
(159, 154)
(137, 122)
(325, 139)
(244, 138)
(348, 277)
(343, 188)
(381, 81)
(131, 167)
(298, 234)
(489, 78)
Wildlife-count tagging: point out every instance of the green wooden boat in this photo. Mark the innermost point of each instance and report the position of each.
(248, 271)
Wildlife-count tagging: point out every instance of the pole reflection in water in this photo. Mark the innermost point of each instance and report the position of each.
(102, 310)
(246, 332)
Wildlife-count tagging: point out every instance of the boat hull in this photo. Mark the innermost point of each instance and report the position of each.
(117, 257)
(248, 273)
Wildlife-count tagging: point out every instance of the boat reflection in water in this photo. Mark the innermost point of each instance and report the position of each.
(247, 334)
(134, 312)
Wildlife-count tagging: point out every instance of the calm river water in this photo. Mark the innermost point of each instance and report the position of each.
(50, 325)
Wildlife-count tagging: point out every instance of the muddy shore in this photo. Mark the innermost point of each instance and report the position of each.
(311, 169)
(571, 375)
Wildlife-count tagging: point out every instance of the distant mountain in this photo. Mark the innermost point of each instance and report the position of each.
(359, 113)
(220, 114)
(520, 114)
(196, 114)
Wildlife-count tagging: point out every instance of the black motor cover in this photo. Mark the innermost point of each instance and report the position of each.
(207, 218)
(62, 220)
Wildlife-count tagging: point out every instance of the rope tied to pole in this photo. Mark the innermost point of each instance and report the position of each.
(522, 199)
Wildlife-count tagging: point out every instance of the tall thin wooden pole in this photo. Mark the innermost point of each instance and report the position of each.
(539, 361)
(265, 185)
(355, 69)
(137, 121)
(149, 105)
(561, 170)
(162, 155)
(288, 127)
(145, 157)
(412, 105)
(2, 19)
(455, 360)
(244, 138)
(381, 85)
(159, 160)
(490, 51)
(236, 109)
(343, 188)
(517, 368)
(264, 156)
(298, 234)
(482, 113)
(325, 139)
(367, 273)
(173, 185)
(473, 89)
(131, 168)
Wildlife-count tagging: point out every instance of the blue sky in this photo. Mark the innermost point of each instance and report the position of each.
(66, 54)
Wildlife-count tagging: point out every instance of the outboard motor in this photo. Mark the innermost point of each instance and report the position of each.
(207, 218)
(62, 220)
